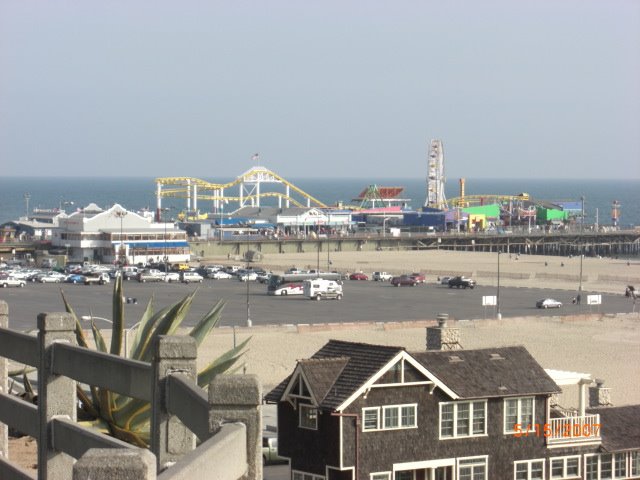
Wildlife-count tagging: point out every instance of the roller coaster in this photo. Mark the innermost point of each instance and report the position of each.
(250, 192)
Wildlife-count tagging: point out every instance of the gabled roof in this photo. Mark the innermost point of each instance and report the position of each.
(322, 373)
(340, 371)
(363, 361)
(488, 372)
(620, 428)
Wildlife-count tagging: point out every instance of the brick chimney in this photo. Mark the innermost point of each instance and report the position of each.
(599, 396)
(443, 337)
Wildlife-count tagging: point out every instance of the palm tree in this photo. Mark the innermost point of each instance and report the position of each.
(128, 418)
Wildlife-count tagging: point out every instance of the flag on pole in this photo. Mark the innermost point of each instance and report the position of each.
(255, 157)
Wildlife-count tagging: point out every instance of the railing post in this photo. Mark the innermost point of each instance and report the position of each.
(109, 463)
(170, 439)
(56, 394)
(238, 398)
(4, 372)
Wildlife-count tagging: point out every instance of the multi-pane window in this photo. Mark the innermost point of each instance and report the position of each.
(518, 410)
(472, 468)
(404, 475)
(308, 417)
(305, 476)
(463, 419)
(529, 470)
(393, 417)
(565, 467)
(607, 466)
(380, 476)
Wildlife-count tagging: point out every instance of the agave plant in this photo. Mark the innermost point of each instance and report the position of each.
(128, 418)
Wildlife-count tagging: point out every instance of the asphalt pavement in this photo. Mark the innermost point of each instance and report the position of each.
(364, 301)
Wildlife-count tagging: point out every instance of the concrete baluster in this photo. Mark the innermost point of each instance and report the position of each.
(109, 463)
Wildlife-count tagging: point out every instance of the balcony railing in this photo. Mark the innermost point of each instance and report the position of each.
(574, 429)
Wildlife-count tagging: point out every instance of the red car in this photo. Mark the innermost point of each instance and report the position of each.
(358, 276)
(419, 278)
(404, 280)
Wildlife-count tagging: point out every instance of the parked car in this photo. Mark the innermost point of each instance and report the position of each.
(270, 451)
(548, 303)
(191, 277)
(49, 278)
(444, 280)
(358, 276)
(382, 277)
(319, 288)
(171, 277)
(75, 278)
(96, 279)
(462, 282)
(220, 274)
(152, 275)
(264, 277)
(247, 276)
(419, 278)
(404, 281)
(12, 282)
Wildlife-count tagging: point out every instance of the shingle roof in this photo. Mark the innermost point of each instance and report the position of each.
(489, 372)
(322, 373)
(620, 428)
(339, 369)
(358, 362)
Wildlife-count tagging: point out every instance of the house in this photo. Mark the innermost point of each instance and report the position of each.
(372, 412)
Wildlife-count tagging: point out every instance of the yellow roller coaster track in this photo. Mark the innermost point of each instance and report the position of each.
(475, 200)
(181, 187)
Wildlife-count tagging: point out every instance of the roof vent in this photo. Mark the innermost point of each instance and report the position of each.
(502, 388)
(455, 359)
(496, 356)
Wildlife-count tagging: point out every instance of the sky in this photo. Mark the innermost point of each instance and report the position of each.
(337, 88)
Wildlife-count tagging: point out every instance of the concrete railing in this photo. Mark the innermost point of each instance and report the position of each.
(227, 422)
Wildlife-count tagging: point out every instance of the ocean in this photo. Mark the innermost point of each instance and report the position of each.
(136, 193)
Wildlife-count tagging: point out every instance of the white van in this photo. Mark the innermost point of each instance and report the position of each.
(318, 288)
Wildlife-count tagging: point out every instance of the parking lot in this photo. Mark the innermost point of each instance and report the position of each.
(363, 301)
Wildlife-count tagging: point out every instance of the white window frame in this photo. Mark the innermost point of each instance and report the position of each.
(455, 419)
(529, 463)
(305, 407)
(300, 475)
(628, 461)
(479, 461)
(564, 467)
(381, 417)
(380, 476)
(364, 412)
(510, 429)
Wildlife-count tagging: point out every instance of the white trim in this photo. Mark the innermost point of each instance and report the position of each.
(440, 462)
(401, 355)
(364, 421)
(380, 417)
(564, 459)
(529, 463)
(341, 440)
(298, 374)
(518, 414)
(313, 475)
(478, 457)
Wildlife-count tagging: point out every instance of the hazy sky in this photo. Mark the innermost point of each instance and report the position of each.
(332, 88)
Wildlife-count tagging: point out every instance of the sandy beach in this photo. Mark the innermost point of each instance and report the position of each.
(606, 347)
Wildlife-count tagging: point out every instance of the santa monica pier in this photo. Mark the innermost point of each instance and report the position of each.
(260, 212)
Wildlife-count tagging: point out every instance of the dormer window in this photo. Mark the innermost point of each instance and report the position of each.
(308, 417)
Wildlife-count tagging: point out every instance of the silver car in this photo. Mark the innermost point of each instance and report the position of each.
(548, 303)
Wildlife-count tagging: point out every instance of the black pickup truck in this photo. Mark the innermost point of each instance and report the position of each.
(462, 282)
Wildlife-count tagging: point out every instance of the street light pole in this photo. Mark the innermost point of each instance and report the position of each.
(121, 214)
(498, 313)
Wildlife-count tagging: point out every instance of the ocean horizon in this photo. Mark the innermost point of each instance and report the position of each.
(136, 193)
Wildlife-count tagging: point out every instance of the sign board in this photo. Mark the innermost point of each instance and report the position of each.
(489, 300)
(594, 299)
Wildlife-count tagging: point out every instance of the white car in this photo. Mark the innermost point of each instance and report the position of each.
(191, 277)
(548, 303)
(382, 277)
(220, 274)
(248, 277)
(171, 277)
(12, 282)
(48, 278)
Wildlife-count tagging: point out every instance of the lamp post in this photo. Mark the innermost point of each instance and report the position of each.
(582, 198)
(249, 323)
(90, 318)
(121, 214)
(498, 313)
(27, 196)
(165, 259)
